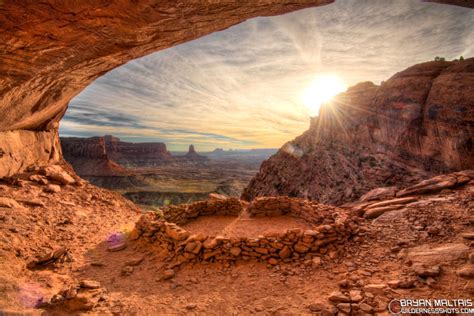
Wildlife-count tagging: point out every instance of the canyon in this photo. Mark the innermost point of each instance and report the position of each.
(374, 203)
(70, 247)
(151, 176)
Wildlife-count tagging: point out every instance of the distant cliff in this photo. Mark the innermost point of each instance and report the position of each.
(417, 123)
(108, 156)
(137, 154)
(88, 156)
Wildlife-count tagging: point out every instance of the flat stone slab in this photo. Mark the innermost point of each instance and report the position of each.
(439, 254)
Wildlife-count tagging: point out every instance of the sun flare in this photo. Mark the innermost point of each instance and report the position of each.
(322, 89)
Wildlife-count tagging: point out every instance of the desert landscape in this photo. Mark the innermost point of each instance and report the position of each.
(168, 203)
(149, 175)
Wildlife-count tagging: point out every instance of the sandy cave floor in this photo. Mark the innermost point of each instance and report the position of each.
(231, 226)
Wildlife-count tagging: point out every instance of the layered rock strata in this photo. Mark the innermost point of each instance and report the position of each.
(416, 124)
(137, 154)
(89, 157)
(377, 202)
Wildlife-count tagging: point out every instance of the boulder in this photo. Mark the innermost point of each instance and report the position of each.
(52, 188)
(466, 272)
(235, 251)
(423, 271)
(301, 247)
(62, 178)
(432, 255)
(379, 194)
(377, 211)
(398, 201)
(8, 203)
(273, 261)
(355, 296)
(89, 284)
(117, 247)
(168, 274)
(374, 288)
(175, 232)
(435, 184)
(337, 297)
(81, 302)
(285, 252)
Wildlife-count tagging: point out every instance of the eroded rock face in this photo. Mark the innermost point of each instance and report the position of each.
(136, 154)
(417, 123)
(75, 147)
(21, 149)
(89, 157)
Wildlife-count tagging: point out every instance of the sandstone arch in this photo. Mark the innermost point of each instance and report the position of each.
(52, 49)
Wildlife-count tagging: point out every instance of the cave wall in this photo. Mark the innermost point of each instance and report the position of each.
(20, 149)
(51, 50)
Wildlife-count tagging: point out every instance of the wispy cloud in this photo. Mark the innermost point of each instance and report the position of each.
(243, 87)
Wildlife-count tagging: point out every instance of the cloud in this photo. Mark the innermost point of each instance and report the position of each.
(242, 87)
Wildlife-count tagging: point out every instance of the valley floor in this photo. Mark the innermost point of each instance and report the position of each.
(177, 184)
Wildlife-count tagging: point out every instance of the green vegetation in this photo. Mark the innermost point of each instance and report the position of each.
(158, 212)
(437, 58)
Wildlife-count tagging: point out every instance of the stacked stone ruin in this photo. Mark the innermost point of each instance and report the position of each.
(330, 226)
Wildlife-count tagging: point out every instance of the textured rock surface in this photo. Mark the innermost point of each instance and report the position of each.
(60, 47)
(21, 149)
(136, 154)
(89, 157)
(61, 245)
(417, 123)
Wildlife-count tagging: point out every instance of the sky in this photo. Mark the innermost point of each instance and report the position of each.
(245, 87)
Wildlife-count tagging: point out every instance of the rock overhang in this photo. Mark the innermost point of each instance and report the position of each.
(61, 47)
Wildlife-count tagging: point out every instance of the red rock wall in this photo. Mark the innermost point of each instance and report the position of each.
(136, 154)
(76, 147)
(418, 123)
(89, 157)
(424, 111)
(22, 149)
(181, 214)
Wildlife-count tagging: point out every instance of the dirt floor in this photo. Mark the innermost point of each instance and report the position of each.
(230, 226)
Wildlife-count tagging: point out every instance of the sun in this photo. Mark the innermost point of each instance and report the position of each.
(322, 89)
